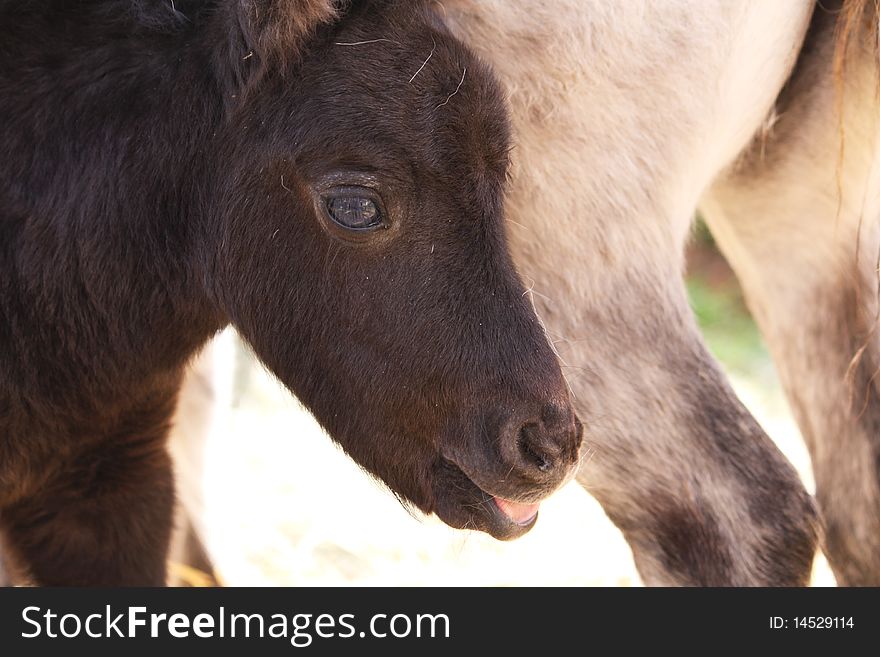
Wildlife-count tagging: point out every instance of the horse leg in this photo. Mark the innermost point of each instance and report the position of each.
(103, 519)
(798, 220)
(699, 491)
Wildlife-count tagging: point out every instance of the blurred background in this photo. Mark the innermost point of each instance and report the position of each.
(284, 506)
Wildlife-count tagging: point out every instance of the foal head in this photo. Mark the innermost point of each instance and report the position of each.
(360, 249)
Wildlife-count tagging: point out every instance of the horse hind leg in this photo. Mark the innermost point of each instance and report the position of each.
(799, 221)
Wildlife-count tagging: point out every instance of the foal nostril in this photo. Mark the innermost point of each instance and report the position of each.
(549, 443)
(529, 444)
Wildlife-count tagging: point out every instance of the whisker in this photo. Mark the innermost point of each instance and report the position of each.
(501, 481)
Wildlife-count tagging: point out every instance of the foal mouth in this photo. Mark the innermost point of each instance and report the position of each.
(462, 504)
(522, 514)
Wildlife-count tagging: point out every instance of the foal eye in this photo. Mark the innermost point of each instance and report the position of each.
(354, 212)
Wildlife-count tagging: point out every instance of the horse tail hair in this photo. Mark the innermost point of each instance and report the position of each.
(855, 17)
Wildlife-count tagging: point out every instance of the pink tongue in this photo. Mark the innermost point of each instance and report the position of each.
(521, 514)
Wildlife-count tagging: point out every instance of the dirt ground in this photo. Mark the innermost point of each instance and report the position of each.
(284, 506)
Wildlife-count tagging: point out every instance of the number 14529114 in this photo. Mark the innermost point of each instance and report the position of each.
(812, 622)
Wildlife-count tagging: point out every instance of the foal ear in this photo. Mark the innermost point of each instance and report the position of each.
(264, 34)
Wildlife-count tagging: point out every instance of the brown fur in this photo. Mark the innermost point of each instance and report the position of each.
(170, 169)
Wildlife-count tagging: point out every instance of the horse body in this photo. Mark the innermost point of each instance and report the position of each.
(622, 116)
(169, 170)
(624, 125)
